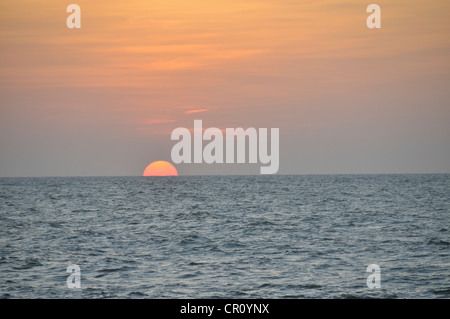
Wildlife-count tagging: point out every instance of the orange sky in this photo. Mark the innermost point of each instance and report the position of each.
(138, 69)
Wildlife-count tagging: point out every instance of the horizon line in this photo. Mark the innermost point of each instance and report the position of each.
(223, 175)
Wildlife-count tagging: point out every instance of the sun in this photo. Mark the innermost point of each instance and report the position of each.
(160, 168)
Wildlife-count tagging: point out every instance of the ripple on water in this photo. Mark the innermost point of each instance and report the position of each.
(231, 237)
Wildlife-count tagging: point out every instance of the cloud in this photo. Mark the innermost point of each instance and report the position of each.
(196, 111)
(159, 121)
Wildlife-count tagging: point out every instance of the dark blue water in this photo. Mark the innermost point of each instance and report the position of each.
(226, 237)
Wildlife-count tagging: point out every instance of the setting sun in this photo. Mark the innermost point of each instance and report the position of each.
(160, 168)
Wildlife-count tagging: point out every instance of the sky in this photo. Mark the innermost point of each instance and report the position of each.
(103, 100)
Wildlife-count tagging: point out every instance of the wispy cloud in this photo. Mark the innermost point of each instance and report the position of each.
(196, 111)
(159, 121)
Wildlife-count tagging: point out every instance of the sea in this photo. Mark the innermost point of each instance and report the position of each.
(267, 236)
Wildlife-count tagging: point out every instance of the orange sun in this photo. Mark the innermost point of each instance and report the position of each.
(160, 168)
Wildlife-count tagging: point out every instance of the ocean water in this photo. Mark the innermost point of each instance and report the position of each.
(307, 236)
